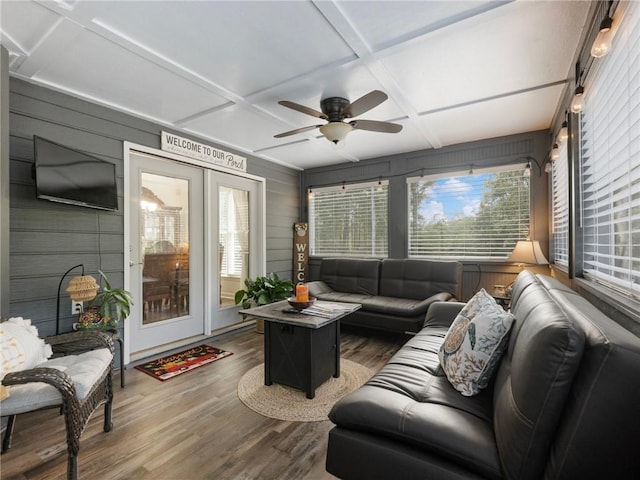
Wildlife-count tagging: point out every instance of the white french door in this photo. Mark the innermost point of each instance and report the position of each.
(166, 253)
(192, 235)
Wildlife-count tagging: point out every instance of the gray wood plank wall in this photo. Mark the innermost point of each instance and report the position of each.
(48, 238)
(495, 152)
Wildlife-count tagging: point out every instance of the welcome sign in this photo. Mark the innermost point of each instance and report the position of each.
(200, 151)
(300, 251)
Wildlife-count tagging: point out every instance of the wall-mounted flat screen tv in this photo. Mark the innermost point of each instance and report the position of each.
(69, 176)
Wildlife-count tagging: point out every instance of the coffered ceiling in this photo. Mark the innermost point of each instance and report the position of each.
(454, 71)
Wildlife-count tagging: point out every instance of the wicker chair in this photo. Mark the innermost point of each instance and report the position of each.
(80, 372)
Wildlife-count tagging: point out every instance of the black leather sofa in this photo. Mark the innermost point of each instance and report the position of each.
(394, 293)
(563, 404)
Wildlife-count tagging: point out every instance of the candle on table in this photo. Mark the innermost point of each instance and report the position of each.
(302, 293)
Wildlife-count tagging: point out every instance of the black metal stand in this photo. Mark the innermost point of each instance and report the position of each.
(59, 287)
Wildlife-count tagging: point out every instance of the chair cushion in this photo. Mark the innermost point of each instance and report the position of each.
(84, 370)
(475, 343)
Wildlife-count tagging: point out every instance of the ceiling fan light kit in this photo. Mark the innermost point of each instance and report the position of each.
(336, 132)
(335, 110)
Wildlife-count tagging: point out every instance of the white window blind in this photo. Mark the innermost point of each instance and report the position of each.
(234, 230)
(349, 221)
(611, 162)
(560, 208)
(481, 215)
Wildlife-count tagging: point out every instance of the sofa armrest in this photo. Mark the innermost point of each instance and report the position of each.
(442, 314)
(318, 287)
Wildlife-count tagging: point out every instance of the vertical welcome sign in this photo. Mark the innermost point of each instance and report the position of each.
(300, 251)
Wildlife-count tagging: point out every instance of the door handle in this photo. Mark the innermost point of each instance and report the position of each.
(131, 264)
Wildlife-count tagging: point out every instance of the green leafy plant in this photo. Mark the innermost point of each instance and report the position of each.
(264, 290)
(108, 301)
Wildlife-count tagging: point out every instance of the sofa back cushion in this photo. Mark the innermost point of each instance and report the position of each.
(534, 379)
(351, 275)
(419, 279)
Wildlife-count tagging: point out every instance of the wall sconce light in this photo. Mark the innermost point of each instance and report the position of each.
(602, 43)
(578, 99)
(80, 289)
(555, 152)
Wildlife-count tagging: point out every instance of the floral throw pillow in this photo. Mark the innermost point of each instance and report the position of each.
(475, 343)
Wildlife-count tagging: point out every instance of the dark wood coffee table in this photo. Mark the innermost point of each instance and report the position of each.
(300, 351)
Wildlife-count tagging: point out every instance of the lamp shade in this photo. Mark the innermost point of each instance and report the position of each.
(82, 288)
(336, 132)
(528, 251)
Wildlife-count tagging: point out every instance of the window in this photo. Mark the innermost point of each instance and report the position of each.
(480, 215)
(349, 220)
(560, 208)
(610, 168)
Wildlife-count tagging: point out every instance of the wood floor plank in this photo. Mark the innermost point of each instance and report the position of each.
(190, 427)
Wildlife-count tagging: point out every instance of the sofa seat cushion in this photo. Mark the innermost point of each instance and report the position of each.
(410, 400)
(402, 307)
(84, 370)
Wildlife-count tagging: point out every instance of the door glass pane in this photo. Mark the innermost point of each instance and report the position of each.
(233, 247)
(164, 237)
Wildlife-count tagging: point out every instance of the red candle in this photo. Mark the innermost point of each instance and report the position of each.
(302, 293)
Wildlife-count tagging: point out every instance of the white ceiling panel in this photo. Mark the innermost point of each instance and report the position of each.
(502, 51)
(383, 24)
(526, 112)
(454, 71)
(119, 77)
(26, 23)
(256, 133)
(243, 46)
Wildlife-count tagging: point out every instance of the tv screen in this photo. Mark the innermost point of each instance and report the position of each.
(66, 175)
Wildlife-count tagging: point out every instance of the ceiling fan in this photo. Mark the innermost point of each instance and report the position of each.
(335, 110)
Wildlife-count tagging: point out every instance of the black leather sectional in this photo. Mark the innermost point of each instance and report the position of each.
(394, 293)
(563, 404)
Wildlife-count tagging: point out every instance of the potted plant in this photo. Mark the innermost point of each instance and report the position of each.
(107, 309)
(261, 291)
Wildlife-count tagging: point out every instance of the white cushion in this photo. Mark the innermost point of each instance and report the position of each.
(84, 369)
(20, 346)
(475, 343)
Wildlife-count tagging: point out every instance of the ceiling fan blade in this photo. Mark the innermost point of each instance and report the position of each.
(375, 126)
(297, 130)
(365, 103)
(301, 108)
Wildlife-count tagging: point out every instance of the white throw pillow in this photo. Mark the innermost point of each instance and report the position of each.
(475, 343)
(20, 346)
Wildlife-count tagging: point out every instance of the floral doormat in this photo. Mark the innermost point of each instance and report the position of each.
(173, 365)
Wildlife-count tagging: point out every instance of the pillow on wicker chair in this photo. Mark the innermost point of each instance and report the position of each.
(20, 348)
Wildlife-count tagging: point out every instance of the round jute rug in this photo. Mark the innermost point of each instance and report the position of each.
(285, 403)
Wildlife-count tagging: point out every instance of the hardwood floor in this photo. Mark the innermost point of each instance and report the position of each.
(190, 427)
